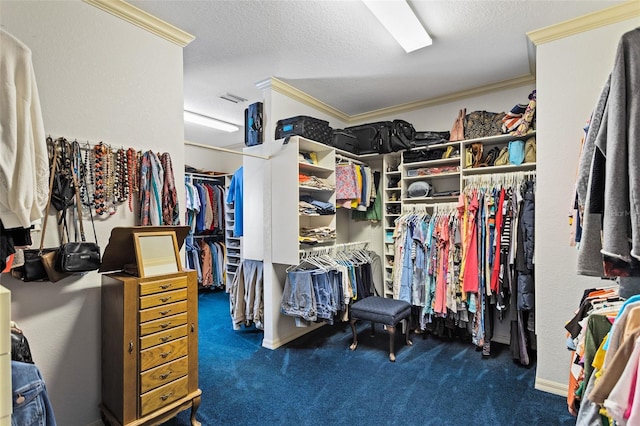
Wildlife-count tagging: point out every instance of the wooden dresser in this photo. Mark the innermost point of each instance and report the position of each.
(149, 347)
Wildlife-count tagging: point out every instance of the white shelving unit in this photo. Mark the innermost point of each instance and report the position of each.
(232, 244)
(287, 219)
(398, 175)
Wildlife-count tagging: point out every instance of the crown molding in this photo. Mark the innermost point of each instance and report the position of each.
(144, 20)
(506, 84)
(608, 16)
(290, 91)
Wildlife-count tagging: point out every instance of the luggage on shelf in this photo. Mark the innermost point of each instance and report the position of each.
(383, 137)
(426, 138)
(345, 140)
(305, 126)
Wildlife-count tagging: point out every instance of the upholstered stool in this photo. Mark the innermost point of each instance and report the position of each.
(382, 310)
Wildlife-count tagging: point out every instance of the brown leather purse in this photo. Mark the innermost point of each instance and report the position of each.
(457, 130)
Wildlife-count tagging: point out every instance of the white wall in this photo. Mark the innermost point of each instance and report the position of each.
(570, 75)
(99, 79)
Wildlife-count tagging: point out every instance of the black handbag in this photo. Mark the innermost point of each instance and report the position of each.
(34, 268)
(20, 350)
(79, 256)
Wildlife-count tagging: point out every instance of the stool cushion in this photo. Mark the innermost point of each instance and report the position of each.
(381, 310)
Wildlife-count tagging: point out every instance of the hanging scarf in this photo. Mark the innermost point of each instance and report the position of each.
(170, 211)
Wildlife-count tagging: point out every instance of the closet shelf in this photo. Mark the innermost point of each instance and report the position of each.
(417, 164)
(444, 198)
(397, 188)
(496, 139)
(314, 189)
(432, 176)
(308, 167)
(499, 169)
(435, 146)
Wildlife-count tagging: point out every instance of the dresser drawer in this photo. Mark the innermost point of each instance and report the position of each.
(161, 354)
(163, 374)
(163, 298)
(157, 286)
(163, 337)
(163, 324)
(164, 395)
(163, 311)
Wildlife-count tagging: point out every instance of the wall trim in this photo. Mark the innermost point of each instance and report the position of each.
(411, 106)
(551, 387)
(144, 20)
(601, 18)
(290, 91)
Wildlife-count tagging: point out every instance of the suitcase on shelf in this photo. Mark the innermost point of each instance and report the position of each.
(373, 138)
(308, 127)
(345, 140)
(426, 138)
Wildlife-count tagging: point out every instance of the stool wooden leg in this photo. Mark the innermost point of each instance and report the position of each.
(406, 333)
(354, 345)
(392, 335)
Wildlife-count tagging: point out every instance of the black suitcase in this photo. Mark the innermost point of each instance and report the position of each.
(307, 127)
(345, 141)
(373, 138)
(253, 134)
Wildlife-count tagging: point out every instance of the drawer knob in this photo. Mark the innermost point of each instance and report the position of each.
(130, 347)
(165, 375)
(166, 396)
(165, 286)
(165, 325)
(165, 312)
(165, 354)
(164, 299)
(165, 338)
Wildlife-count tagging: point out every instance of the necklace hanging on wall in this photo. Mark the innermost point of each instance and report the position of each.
(132, 176)
(99, 176)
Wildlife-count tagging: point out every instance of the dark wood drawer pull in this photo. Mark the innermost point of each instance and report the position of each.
(165, 375)
(166, 396)
(165, 312)
(165, 354)
(164, 299)
(165, 338)
(165, 286)
(165, 325)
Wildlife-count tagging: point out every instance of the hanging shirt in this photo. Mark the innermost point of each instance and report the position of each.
(234, 196)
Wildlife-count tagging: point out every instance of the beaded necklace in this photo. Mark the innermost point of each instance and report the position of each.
(99, 169)
(132, 176)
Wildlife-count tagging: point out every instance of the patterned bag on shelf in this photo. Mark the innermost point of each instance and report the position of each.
(481, 124)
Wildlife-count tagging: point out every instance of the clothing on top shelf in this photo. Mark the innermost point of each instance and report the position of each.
(314, 182)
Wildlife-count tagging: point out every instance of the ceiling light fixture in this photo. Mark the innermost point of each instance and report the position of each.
(398, 18)
(214, 123)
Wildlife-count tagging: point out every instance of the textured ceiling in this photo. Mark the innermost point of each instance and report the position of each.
(337, 52)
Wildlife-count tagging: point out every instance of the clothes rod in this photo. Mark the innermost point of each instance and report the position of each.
(350, 160)
(333, 248)
(230, 151)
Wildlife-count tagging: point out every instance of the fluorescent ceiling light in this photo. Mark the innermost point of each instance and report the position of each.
(214, 123)
(398, 18)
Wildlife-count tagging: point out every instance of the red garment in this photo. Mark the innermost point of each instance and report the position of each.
(440, 299)
(495, 274)
(471, 281)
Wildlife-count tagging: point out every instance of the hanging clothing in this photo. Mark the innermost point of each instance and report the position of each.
(234, 196)
(613, 192)
(170, 208)
(24, 163)
(151, 190)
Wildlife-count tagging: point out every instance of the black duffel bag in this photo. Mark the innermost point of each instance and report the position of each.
(426, 138)
(402, 136)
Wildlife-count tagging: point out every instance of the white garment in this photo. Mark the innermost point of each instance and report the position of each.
(24, 163)
(618, 400)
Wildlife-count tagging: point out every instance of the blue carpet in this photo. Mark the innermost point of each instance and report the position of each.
(317, 380)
